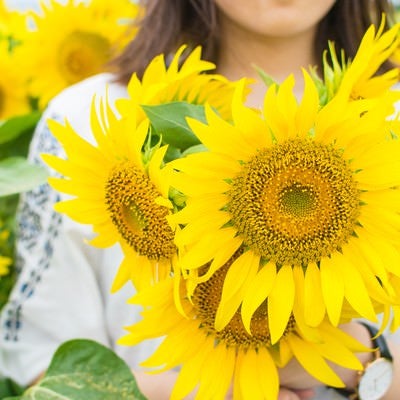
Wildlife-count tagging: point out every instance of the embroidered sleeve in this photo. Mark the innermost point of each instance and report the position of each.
(38, 226)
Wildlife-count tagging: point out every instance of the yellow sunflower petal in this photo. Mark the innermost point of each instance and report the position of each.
(220, 132)
(239, 276)
(330, 332)
(221, 257)
(332, 288)
(201, 227)
(266, 367)
(339, 354)
(309, 357)
(308, 107)
(68, 169)
(171, 348)
(189, 374)
(248, 120)
(273, 115)
(193, 211)
(204, 186)
(285, 353)
(373, 255)
(123, 275)
(90, 192)
(257, 292)
(355, 290)
(249, 377)
(287, 105)
(82, 211)
(207, 165)
(221, 355)
(206, 248)
(313, 297)
(280, 302)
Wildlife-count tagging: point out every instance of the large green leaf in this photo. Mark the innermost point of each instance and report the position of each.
(85, 370)
(17, 126)
(169, 121)
(18, 175)
(9, 388)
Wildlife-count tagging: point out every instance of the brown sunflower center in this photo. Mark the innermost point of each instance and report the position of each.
(206, 299)
(130, 198)
(295, 202)
(82, 54)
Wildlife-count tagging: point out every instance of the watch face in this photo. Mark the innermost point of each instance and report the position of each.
(376, 379)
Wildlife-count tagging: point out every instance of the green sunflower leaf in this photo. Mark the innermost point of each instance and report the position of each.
(83, 369)
(18, 175)
(14, 127)
(9, 388)
(169, 122)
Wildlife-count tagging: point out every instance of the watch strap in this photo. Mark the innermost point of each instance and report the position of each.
(378, 342)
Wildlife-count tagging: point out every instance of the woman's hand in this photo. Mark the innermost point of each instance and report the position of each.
(286, 394)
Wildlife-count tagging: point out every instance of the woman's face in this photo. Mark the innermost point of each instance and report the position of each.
(274, 18)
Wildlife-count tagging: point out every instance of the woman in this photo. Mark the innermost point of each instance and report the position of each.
(63, 289)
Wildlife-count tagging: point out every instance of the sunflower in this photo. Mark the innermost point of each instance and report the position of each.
(6, 249)
(187, 82)
(299, 186)
(13, 94)
(73, 41)
(123, 198)
(356, 78)
(5, 262)
(247, 359)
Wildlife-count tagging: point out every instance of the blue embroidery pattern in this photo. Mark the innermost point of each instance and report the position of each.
(38, 227)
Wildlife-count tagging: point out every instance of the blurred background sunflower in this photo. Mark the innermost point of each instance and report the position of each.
(13, 91)
(61, 48)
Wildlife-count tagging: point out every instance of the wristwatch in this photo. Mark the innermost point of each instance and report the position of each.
(376, 378)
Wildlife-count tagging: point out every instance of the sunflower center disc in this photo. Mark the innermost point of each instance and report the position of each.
(206, 299)
(130, 198)
(295, 202)
(82, 54)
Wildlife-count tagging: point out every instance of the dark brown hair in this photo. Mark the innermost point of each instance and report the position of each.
(166, 24)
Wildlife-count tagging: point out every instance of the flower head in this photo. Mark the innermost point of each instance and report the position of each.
(58, 54)
(357, 78)
(247, 359)
(299, 187)
(123, 198)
